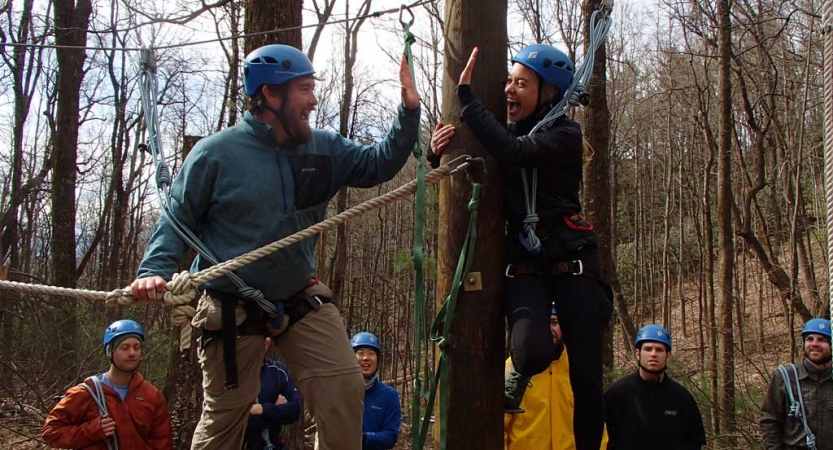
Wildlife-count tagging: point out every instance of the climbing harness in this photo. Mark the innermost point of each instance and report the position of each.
(600, 22)
(101, 401)
(797, 410)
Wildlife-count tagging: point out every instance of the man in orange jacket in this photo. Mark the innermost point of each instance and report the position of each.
(547, 420)
(114, 409)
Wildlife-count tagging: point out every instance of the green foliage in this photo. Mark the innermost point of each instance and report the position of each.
(403, 264)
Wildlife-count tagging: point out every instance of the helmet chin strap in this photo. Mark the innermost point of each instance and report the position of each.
(280, 114)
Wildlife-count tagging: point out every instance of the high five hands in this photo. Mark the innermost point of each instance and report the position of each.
(445, 131)
(410, 96)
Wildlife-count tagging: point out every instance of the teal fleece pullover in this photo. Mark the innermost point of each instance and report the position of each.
(238, 190)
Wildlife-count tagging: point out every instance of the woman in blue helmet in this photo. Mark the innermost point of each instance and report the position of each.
(564, 266)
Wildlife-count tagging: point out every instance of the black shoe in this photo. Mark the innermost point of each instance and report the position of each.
(514, 387)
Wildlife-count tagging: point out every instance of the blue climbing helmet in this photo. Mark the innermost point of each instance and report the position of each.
(653, 333)
(274, 64)
(816, 326)
(365, 340)
(119, 331)
(553, 312)
(550, 63)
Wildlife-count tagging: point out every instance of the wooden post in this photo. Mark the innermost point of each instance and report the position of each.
(476, 346)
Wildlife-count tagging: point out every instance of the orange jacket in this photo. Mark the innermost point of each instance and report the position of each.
(142, 419)
(547, 423)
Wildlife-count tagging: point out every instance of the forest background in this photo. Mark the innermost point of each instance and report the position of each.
(77, 201)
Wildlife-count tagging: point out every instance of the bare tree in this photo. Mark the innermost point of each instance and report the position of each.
(71, 25)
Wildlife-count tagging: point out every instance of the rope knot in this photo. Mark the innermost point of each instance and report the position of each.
(180, 290)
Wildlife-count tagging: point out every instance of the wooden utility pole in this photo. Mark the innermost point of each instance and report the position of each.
(476, 345)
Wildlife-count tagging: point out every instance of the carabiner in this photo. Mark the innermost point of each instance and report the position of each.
(401, 10)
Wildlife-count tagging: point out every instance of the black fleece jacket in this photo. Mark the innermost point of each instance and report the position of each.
(647, 415)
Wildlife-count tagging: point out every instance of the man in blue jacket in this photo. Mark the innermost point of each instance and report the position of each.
(278, 404)
(382, 414)
(249, 185)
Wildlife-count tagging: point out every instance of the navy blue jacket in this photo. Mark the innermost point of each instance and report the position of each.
(274, 381)
(382, 416)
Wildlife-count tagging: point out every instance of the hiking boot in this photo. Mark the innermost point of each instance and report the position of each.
(514, 388)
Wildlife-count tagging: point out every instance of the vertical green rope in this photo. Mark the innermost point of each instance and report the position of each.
(442, 325)
(420, 331)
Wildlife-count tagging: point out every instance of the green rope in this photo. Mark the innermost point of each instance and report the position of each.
(420, 330)
(442, 325)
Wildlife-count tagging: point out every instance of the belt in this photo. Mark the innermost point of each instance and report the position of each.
(300, 305)
(575, 267)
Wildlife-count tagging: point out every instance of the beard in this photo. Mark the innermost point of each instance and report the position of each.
(825, 358)
(300, 131)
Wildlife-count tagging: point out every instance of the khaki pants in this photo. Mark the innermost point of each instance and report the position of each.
(319, 357)
(318, 353)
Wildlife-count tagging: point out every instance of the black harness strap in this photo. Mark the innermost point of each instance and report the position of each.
(575, 267)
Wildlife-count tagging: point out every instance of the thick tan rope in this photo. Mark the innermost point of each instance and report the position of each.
(181, 290)
(827, 30)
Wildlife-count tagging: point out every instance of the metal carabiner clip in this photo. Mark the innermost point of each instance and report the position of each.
(403, 8)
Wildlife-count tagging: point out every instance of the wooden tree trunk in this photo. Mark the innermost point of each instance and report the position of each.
(71, 23)
(726, 236)
(476, 345)
(265, 15)
(597, 187)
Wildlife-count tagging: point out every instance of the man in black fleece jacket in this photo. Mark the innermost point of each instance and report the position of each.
(648, 410)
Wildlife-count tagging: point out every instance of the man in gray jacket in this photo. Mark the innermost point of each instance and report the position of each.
(246, 186)
(798, 408)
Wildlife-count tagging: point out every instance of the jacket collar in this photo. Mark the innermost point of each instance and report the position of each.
(261, 130)
(651, 384)
(525, 126)
(135, 381)
(805, 370)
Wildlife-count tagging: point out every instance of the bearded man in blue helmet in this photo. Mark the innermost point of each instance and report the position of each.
(249, 185)
(797, 412)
